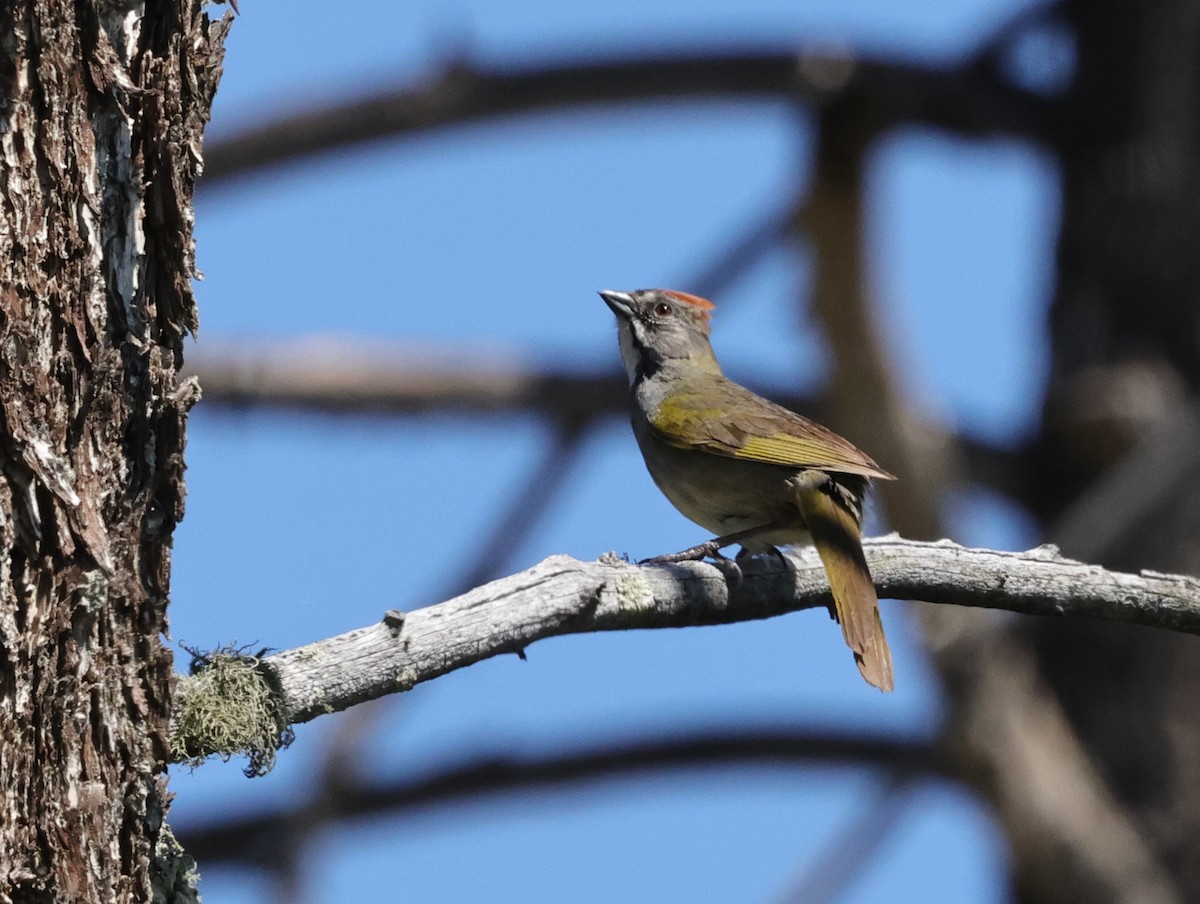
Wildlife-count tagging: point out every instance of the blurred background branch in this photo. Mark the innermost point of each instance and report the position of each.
(971, 99)
(339, 375)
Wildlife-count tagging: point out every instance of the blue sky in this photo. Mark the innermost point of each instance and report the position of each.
(494, 240)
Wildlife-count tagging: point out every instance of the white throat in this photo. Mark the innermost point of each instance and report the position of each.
(629, 353)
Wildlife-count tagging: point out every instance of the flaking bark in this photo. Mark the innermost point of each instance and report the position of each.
(101, 116)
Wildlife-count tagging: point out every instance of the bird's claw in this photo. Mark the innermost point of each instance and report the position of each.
(710, 550)
(691, 554)
(729, 568)
(745, 554)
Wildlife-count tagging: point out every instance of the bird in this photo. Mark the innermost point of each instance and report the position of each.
(739, 465)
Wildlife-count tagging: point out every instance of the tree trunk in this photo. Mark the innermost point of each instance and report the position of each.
(1119, 438)
(101, 118)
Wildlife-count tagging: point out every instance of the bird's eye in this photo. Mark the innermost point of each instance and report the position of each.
(662, 309)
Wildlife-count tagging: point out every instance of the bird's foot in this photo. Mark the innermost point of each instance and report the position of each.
(710, 550)
(745, 554)
(692, 554)
(728, 567)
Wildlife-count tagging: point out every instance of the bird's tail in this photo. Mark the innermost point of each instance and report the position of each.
(835, 533)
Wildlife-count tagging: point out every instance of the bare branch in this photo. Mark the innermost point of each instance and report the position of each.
(565, 596)
(329, 375)
(966, 100)
(256, 838)
(338, 375)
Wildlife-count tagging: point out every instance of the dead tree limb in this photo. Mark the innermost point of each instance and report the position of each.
(562, 595)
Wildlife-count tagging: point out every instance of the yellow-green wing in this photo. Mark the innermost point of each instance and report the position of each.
(727, 419)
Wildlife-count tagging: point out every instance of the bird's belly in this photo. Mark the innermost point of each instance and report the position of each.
(725, 495)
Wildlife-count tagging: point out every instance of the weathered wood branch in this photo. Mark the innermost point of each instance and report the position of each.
(565, 596)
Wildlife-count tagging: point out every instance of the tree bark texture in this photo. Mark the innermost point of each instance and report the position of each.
(1117, 442)
(102, 108)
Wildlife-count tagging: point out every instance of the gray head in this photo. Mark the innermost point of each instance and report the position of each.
(657, 327)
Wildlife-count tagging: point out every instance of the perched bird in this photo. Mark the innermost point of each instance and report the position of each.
(741, 466)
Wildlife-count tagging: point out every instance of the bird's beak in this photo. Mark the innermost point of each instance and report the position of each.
(621, 303)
